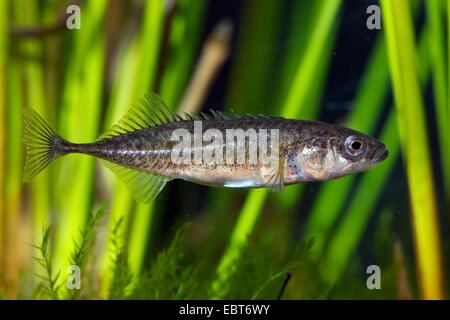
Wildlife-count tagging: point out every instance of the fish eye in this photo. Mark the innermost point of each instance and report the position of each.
(354, 145)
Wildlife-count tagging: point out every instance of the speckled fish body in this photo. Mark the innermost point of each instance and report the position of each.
(140, 150)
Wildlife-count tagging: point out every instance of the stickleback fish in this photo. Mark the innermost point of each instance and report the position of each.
(151, 145)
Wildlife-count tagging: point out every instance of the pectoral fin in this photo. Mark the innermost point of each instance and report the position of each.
(273, 175)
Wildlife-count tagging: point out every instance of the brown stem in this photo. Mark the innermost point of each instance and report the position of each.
(214, 53)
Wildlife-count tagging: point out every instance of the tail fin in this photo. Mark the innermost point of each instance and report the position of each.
(40, 140)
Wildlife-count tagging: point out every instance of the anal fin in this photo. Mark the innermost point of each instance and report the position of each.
(143, 186)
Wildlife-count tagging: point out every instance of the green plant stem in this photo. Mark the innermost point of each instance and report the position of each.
(448, 105)
(142, 78)
(82, 96)
(252, 69)
(184, 39)
(4, 20)
(414, 139)
(26, 13)
(45, 261)
(14, 240)
(121, 99)
(148, 60)
(436, 18)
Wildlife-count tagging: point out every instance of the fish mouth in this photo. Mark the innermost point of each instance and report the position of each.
(381, 154)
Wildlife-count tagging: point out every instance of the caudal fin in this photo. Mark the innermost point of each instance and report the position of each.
(40, 140)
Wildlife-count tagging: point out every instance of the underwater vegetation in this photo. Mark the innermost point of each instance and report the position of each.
(75, 232)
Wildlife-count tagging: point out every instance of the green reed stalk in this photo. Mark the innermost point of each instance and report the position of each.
(252, 70)
(119, 102)
(295, 102)
(436, 19)
(139, 71)
(26, 13)
(448, 104)
(79, 122)
(287, 201)
(414, 138)
(149, 48)
(183, 41)
(448, 108)
(16, 233)
(4, 45)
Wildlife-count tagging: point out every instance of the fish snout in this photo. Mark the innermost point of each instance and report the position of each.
(380, 154)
